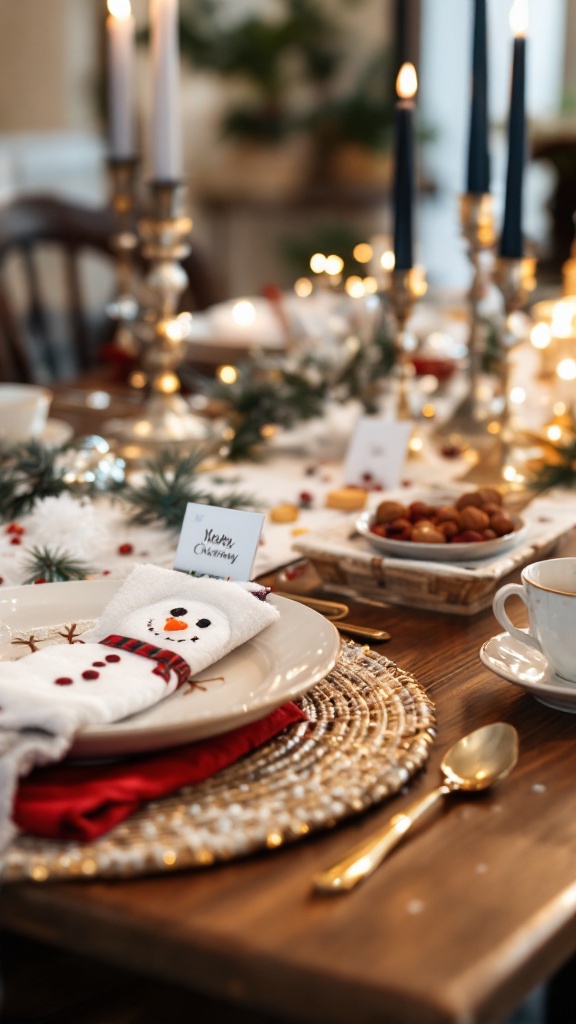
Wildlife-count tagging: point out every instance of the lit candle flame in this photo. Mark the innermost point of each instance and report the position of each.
(243, 313)
(519, 18)
(334, 265)
(120, 9)
(407, 81)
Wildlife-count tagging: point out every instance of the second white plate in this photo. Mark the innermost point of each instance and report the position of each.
(437, 552)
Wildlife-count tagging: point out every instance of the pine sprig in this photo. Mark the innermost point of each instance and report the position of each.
(28, 473)
(169, 484)
(54, 566)
(263, 396)
(557, 468)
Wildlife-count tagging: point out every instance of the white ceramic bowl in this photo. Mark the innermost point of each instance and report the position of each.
(23, 411)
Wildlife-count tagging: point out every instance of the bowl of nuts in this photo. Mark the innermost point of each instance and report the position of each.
(474, 525)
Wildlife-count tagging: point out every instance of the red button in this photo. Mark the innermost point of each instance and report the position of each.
(63, 681)
(90, 674)
(112, 657)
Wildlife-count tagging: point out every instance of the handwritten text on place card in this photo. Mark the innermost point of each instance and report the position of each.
(218, 541)
(377, 452)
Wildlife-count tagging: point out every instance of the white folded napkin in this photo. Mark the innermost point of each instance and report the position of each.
(159, 630)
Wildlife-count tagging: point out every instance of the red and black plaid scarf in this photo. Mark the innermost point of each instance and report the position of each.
(167, 660)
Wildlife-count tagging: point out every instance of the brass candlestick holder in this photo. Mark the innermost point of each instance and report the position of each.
(161, 331)
(123, 310)
(516, 279)
(477, 223)
(406, 286)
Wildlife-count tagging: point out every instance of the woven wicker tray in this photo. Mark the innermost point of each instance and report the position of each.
(344, 559)
(369, 729)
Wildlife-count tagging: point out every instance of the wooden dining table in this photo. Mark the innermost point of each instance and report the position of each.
(472, 911)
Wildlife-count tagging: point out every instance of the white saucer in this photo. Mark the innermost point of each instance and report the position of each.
(56, 433)
(527, 668)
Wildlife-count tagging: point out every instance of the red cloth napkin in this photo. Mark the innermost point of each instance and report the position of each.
(82, 802)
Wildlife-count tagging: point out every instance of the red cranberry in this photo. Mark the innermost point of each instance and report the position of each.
(125, 549)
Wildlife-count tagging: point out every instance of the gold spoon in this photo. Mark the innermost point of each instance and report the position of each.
(475, 762)
(335, 611)
(332, 610)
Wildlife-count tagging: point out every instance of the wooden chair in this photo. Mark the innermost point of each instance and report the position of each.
(57, 272)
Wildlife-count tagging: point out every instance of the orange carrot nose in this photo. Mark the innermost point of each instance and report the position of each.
(175, 624)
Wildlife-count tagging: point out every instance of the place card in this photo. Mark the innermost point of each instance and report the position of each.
(218, 541)
(377, 452)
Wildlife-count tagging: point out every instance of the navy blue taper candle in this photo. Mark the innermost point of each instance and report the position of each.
(478, 154)
(406, 85)
(511, 239)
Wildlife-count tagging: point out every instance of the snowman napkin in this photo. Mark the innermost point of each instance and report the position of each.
(158, 631)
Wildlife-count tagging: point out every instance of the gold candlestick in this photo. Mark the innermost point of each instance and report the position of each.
(405, 287)
(161, 331)
(516, 279)
(477, 223)
(124, 242)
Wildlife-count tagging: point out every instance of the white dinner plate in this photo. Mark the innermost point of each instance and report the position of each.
(437, 552)
(527, 668)
(280, 663)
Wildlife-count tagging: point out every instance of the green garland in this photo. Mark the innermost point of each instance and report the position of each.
(28, 473)
(269, 392)
(557, 468)
(52, 565)
(263, 395)
(168, 486)
(31, 472)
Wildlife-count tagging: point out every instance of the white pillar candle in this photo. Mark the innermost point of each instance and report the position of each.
(166, 144)
(120, 52)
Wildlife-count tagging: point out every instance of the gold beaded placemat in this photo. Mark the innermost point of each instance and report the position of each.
(370, 726)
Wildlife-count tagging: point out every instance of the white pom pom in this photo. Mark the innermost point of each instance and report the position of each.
(69, 523)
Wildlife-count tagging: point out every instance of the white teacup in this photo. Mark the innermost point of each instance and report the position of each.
(548, 590)
(23, 411)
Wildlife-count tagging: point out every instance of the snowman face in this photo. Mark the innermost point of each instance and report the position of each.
(178, 624)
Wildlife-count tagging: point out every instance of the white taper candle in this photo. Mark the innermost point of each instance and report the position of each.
(166, 139)
(120, 54)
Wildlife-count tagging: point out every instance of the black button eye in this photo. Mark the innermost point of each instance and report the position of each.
(178, 611)
(202, 623)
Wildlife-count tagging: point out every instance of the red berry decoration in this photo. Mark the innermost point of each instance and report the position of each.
(15, 540)
(15, 528)
(305, 499)
(125, 549)
(298, 570)
(40, 580)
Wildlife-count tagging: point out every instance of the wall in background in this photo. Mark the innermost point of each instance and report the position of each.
(48, 65)
(51, 133)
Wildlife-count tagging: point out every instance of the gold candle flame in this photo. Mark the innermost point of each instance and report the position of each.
(407, 82)
(519, 18)
(120, 9)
